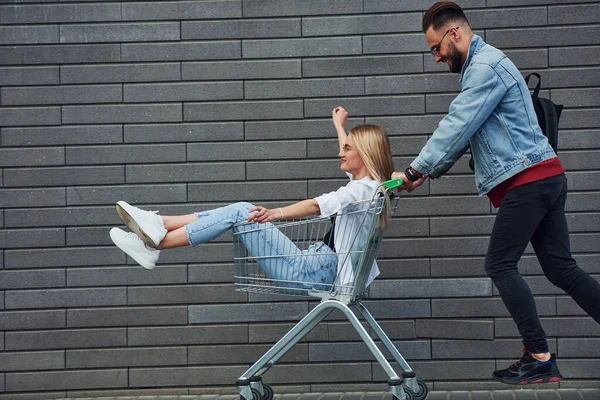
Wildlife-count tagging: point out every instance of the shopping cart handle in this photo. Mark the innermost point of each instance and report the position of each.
(393, 183)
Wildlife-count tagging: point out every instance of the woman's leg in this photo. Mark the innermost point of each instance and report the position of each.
(175, 222)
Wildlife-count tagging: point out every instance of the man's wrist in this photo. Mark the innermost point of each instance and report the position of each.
(412, 174)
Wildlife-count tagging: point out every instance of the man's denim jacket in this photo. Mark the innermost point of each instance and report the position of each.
(493, 114)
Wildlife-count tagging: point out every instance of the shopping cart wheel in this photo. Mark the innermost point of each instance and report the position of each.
(255, 395)
(408, 393)
(422, 393)
(268, 392)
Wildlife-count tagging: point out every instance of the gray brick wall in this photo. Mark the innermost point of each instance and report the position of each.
(181, 106)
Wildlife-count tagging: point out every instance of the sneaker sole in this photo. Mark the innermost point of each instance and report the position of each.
(138, 260)
(133, 226)
(531, 381)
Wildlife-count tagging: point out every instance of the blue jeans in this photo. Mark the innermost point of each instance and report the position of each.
(313, 268)
(536, 212)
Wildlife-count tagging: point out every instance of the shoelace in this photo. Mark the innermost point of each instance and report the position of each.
(525, 351)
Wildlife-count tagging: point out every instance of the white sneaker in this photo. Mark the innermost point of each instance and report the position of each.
(147, 225)
(131, 244)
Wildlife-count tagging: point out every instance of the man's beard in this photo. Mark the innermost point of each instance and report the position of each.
(455, 58)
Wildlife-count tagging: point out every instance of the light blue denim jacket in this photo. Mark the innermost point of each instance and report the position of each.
(493, 114)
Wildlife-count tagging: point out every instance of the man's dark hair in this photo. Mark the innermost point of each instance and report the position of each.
(441, 13)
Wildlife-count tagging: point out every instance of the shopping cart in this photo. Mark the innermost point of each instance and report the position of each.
(360, 227)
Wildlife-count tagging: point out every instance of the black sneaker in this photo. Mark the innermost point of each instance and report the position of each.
(529, 370)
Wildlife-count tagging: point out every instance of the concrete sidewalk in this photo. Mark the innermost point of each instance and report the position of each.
(517, 394)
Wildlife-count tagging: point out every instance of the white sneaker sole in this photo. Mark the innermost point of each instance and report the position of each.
(140, 260)
(133, 226)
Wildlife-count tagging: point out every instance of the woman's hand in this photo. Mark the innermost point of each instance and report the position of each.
(339, 117)
(263, 215)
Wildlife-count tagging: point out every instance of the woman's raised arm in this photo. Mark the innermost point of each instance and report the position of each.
(340, 117)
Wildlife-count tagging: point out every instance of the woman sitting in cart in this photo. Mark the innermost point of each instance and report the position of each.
(365, 157)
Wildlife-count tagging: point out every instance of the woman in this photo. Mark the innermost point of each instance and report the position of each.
(365, 157)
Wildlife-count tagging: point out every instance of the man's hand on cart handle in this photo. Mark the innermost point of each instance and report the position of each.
(408, 185)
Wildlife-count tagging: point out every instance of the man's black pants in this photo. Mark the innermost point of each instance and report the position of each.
(536, 212)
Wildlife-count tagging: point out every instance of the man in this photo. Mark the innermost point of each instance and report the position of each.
(517, 169)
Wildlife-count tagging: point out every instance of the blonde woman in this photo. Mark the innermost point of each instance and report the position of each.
(365, 157)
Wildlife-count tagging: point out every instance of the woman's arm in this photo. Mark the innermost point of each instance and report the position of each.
(340, 117)
(297, 210)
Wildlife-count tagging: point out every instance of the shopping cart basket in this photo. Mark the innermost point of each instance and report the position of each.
(360, 227)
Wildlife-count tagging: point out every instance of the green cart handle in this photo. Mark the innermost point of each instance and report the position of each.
(393, 183)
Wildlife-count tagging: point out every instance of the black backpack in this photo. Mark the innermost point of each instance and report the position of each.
(547, 113)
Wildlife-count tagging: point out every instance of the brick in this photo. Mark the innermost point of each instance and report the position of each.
(507, 17)
(446, 371)
(32, 279)
(65, 298)
(272, 332)
(120, 32)
(184, 51)
(457, 266)
(304, 88)
(292, 169)
(22, 238)
(570, 326)
(450, 226)
(404, 43)
(117, 73)
(371, 106)
(399, 309)
(123, 357)
(247, 110)
(363, 24)
(578, 160)
(413, 5)
(12, 198)
(60, 54)
(583, 222)
(411, 84)
(578, 347)
(269, 8)
(29, 116)
(241, 29)
(407, 125)
(188, 335)
(475, 349)
(182, 376)
(114, 276)
(12, 76)
(125, 113)
(189, 294)
(576, 97)
(584, 242)
(184, 91)
(66, 339)
(409, 288)
(34, 156)
(57, 13)
(438, 103)
(168, 133)
(566, 306)
(53, 380)
(251, 192)
(129, 154)
(137, 194)
(241, 69)
(63, 176)
(541, 36)
(301, 129)
(442, 247)
(18, 320)
(62, 95)
(452, 308)
(62, 257)
(212, 252)
(335, 352)
(566, 56)
(28, 34)
(32, 361)
(318, 373)
(582, 202)
(238, 354)
(580, 369)
(62, 135)
(182, 10)
(64, 216)
(216, 273)
(573, 14)
(246, 312)
(130, 316)
(246, 151)
(188, 172)
(363, 65)
(456, 329)
(329, 46)
(407, 268)
(580, 118)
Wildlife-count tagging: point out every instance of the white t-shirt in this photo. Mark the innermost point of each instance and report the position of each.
(351, 224)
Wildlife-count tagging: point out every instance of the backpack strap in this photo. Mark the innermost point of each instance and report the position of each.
(551, 113)
(536, 91)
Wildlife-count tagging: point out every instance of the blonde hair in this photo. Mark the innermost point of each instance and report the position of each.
(373, 145)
